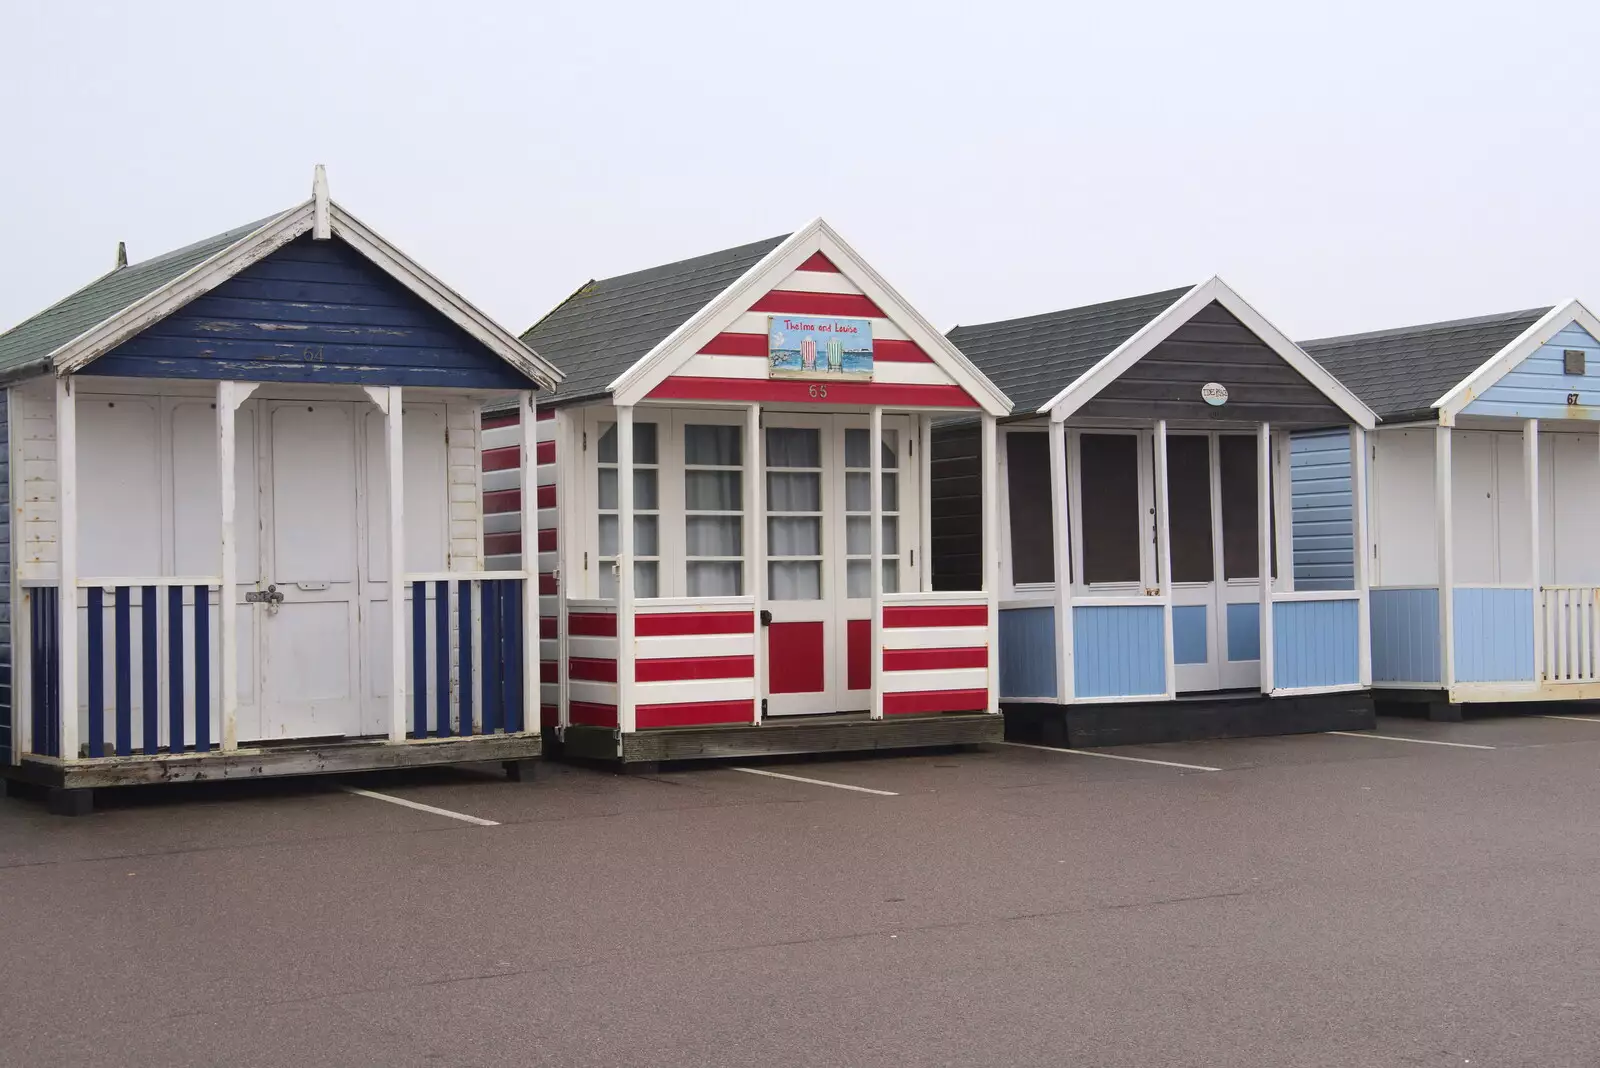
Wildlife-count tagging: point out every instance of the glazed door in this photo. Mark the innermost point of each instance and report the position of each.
(801, 615)
(307, 615)
(854, 565)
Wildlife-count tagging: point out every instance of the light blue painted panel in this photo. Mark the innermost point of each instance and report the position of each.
(1118, 651)
(1494, 635)
(1244, 631)
(1028, 652)
(1405, 635)
(1316, 643)
(1322, 510)
(1189, 634)
(1537, 388)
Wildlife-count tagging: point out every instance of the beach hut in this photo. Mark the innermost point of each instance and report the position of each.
(732, 567)
(1145, 497)
(243, 523)
(1485, 496)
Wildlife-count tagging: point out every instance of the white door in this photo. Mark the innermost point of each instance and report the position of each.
(310, 648)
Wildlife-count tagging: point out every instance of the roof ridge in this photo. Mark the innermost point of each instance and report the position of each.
(1443, 324)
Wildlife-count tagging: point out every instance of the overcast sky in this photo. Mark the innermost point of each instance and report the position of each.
(1346, 166)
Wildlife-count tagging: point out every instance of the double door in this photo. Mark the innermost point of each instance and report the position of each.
(817, 572)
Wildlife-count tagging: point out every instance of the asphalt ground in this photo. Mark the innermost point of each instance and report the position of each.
(1316, 900)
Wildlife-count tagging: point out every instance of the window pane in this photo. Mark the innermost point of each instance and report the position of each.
(716, 446)
(891, 491)
(1236, 458)
(891, 535)
(858, 578)
(855, 449)
(646, 535)
(715, 491)
(794, 536)
(1113, 534)
(891, 449)
(644, 443)
(608, 535)
(1028, 497)
(713, 535)
(708, 578)
(794, 492)
(608, 579)
(644, 490)
(794, 580)
(891, 576)
(1189, 502)
(608, 444)
(790, 446)
(608, 488)
(646, 579)
(858, 535)
(858, 492)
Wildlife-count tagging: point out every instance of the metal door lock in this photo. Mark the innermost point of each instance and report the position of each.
(766, 618)
(272, 597)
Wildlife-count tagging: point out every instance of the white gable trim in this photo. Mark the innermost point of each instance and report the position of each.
(1157, 330)
(1501, 363)
(205, 276)
(678, 347)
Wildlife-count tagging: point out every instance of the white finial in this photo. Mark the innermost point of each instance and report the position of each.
(320, 229)
(122, 254)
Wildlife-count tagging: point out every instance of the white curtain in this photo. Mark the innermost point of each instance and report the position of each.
(858, 535)
(646, 579)
(794, 580)
(711, 446)
(794, 446)
(794, 491)
(644, 443)
(713, 535)
(715, 578)
(856, 454)
(794, 535)
(858, 575)
(858, 491)
(714, 491)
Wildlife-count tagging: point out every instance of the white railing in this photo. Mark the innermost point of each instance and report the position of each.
(1567, 615)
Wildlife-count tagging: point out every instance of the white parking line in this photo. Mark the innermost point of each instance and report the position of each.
(1110, 756)
(419, 806)
(816, 782)
(1397, 738)
(1574, 719)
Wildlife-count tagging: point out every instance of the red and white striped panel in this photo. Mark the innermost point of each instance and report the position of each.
(733, 365)
(694, 666)
(592, 666)
(502, 531)
(936, 655)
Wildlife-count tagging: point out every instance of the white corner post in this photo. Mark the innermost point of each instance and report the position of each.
(566, 442)
(1169, 665)
(875, 444)
(229, 396)
(1530, 457)
(625, 711)
(528, 443)
(1362, 553)
(394, 441)
(991, 552)
(1061, 547)
(67, 593)
(1443, 521)
(755, 530)
(1264, 503)
(925, 505)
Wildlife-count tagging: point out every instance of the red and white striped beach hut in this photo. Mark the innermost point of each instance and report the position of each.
(709, 579)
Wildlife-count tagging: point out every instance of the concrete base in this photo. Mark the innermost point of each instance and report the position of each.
(1185, 720)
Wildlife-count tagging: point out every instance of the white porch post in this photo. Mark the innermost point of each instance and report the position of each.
(1264, 502)
(67, 594)
(991, 552)
(925, 503)
(394, 440)
(875, 646)
(1362, 552)
(1061, 527)
(1443, 521)
(532, 695)
(755, 539)
(625, 710)
(1530, 457)
(229, 396)
(1164, 560)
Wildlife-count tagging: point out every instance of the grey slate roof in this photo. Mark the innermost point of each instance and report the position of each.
(25, 346)
(1400, 373)
(606, 326)
(1034, 358)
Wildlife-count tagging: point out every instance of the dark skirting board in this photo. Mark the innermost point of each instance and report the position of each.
(1087, 726)
(792, 737)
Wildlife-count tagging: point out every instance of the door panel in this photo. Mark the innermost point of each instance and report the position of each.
(797, 452)
(1191, 527)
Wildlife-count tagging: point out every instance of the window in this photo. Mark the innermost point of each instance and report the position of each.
(646, 508)
(1236, 455)
(1028, 498)
(1112, 533)
(858, 513)
(713, 511)
(1189, 507)
(794, 513)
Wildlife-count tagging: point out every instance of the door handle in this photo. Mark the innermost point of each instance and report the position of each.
(766, 618)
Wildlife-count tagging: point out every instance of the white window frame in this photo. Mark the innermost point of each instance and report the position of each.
(1009, 586)
(1144, 453)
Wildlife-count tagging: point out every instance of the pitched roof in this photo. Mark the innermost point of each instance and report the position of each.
(606, 326)
(1034, 358)
(1400, 373)
(25, 347)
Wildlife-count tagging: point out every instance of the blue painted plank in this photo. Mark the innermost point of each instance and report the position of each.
(53, 674)
(1493, 634)
(1322, 510)
(36, 669)
(512, 629)
(1243, 621)
(493, 697)
(1118, 651)
(151, 676)
(1405, 635)
(1028, 652)
(441, 657)
(97, 672)
(464, 632)
(175, 674)
(1189, 638)
(1316, 644)
(202, 668)
(124, 670)
(419, 659)
(246, 370)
